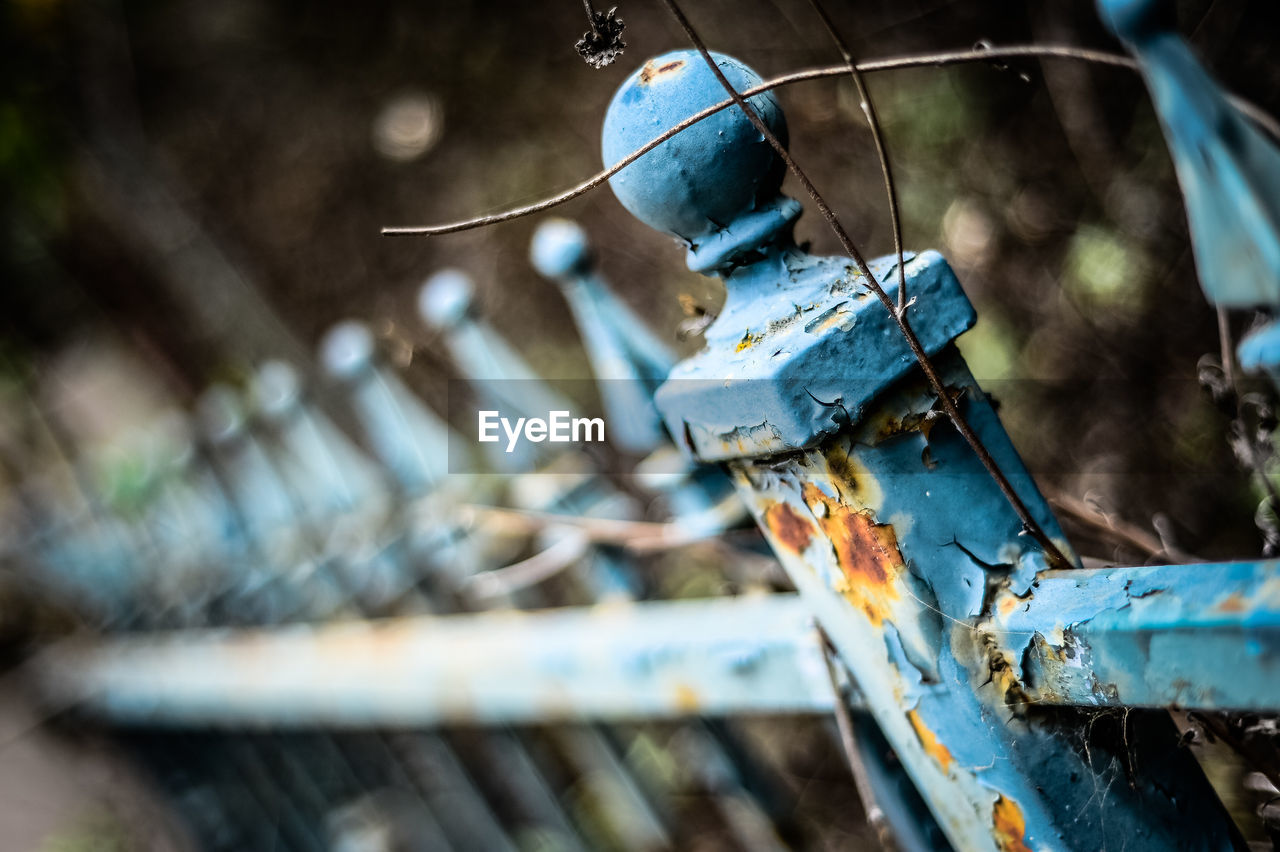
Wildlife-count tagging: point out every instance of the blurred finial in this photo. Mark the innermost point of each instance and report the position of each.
(220, 414)
(1228, 170)
(276, 389)
(560, 249)
(347, 350)
(445, 298)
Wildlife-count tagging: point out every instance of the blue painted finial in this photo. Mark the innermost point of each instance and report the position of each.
(560, 249)
(347, 349)
(445, 299)
(715, 185)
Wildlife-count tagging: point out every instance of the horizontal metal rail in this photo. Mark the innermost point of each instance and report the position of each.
(615, 661)
(1202, 637)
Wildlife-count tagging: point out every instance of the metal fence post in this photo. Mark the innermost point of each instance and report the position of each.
(879, 511)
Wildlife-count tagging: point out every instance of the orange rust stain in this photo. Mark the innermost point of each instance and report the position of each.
(1232, 603)
(686, 698)
(748, 340)
(1008, 605)
(929, 740)
(866, 551)
(789, 528)
(1010, 826)
(648, 72)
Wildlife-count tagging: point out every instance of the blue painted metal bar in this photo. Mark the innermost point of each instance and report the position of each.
(628, 360)
(411, 441)
(499, 375)
(1193, 636)
(1229, 171)
(630, 363)
(639, 661)
(884, 519)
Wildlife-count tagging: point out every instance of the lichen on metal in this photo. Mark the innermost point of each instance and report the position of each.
(879, 511)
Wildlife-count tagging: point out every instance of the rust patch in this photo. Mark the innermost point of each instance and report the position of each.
(790, 529)
(1233, 602)
(866, 551)
(686, 698)
(748, 340)
(932, 747)
(649, 72)
(857, 485)
(1009, 826)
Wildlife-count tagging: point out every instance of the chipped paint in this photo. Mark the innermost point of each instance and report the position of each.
(867, 553)
(1009, 826)
(653, 71)
(1154, 636)
(932, 746)
(853, 439)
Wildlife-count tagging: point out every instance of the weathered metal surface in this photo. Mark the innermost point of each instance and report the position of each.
(884, 518)
(657, 660)
(1191, 636)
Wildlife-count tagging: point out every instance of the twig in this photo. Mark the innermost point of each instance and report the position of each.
(1225, 350)
(849, 741)
(572, 545)
(1255, 113)
(638, 536)
(873, 122)
(1117, 530)
(1052, 554)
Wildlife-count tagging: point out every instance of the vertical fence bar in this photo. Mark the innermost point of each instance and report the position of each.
(879, 511)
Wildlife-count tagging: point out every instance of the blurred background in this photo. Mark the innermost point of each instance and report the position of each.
(192, 188)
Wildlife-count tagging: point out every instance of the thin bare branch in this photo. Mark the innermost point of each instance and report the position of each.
(1251, 110)
(917, 61)
(1114, 529)
(637, 536)
(849, 741)
(570, 547)
(1052, 554)
(873, 122)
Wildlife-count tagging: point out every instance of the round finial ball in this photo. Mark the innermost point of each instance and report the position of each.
(220, 414)
(347, 350)
(276, 389)
(446, 298)
(700, 180)
(560, 249)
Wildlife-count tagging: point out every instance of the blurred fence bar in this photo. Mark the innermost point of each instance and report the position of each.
(642, 661)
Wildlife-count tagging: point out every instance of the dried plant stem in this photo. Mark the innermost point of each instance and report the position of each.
(1255, 113)
(918, 61)
(1029, 523)
(849, 741)
(873, 122)
(1115, 529)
